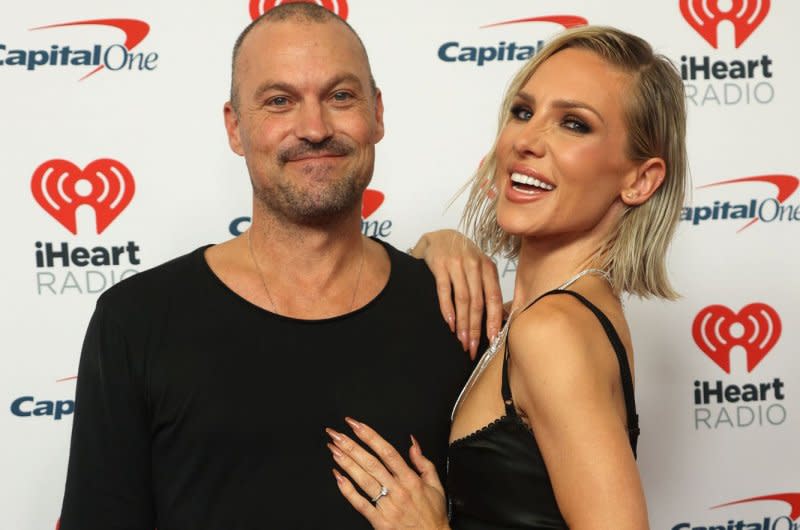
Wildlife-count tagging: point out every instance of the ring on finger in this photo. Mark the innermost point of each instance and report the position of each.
(383, 493)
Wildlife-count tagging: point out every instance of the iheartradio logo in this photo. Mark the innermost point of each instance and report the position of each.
(717, 329)
(705, 16)
(60, 187)
(259, 7)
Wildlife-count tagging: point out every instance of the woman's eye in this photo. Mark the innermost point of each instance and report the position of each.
(576, 125)
(521, 113)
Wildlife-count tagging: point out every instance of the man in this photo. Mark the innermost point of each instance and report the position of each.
(206, 383)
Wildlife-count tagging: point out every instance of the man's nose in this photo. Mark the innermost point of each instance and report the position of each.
(313, 123)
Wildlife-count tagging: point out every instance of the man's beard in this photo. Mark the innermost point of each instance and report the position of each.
(332, 199)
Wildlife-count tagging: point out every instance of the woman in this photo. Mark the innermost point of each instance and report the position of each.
(586, 178)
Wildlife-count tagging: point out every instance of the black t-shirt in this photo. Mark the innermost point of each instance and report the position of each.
(196, 409)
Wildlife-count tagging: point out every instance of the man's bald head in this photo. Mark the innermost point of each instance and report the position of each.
(302, 12)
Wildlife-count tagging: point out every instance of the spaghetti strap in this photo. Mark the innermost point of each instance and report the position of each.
(619, 350)
(505, 388)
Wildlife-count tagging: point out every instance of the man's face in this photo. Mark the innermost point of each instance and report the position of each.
(307, 121)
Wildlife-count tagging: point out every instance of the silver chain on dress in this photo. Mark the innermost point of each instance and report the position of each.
(500, 337)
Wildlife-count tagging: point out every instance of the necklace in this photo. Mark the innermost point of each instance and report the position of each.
(494, 347)
(266, 288)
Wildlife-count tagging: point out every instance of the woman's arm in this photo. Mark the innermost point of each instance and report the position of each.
(565, 378)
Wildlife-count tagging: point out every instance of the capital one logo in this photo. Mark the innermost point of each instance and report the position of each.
(457, 52)
(375, 227)
(60, 187)
(767, 210)
(113, 57)
(259, 7)
(705, 16)
(790, 501)
(791, 498)
(717, 330)
(567, 21)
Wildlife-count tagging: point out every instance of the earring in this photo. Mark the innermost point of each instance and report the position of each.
(631, 195)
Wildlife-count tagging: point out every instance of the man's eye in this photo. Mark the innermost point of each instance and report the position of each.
(278, 101)
(342, 96)
(522, 113)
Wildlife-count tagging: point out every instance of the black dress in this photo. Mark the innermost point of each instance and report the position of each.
(497, 478)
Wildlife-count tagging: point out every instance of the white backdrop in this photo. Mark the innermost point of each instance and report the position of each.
(150, 121)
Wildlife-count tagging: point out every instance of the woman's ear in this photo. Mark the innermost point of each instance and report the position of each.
(649, 177)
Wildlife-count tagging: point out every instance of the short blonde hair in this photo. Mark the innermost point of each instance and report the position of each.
(634, 254)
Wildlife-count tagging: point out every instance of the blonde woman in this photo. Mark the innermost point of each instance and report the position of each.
(586, 177)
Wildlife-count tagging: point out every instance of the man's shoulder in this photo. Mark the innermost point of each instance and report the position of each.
(412, 288)
(156, 283)
(406, 267)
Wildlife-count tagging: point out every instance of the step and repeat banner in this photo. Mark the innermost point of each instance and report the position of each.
(114, 159)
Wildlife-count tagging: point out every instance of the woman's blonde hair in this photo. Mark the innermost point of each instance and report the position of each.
(634, 254)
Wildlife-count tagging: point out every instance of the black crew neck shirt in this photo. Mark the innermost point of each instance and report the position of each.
(196, 409)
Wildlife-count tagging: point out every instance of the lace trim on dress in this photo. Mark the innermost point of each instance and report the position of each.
(491, 426)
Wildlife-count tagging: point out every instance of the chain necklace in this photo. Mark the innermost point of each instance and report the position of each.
(266, 288)
(499, 339)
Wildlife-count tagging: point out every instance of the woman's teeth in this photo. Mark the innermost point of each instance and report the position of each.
(519, 178)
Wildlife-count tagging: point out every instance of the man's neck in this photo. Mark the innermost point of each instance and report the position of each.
(307, 256)
(305, 272)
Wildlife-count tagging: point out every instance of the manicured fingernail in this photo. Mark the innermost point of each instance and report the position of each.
(334, 435)
(462, 337)
(451, 320)
(473, 345)
(339, 478)
(356, 426)
(335, 450)
(416, 444)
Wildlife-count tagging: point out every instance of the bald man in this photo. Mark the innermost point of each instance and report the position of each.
(205, 384)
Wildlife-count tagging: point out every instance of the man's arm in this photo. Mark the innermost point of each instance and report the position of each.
(108, 479)
(467, 276)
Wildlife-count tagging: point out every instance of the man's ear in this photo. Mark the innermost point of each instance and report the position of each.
(648, 178)
(378, 115)
(232, 127)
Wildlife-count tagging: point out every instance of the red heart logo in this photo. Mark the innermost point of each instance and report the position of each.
(110, 189)
(760, 331)
(259, 7)
(705, 15)
(370, 202)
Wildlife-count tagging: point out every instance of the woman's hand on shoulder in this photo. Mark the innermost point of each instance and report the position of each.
(562, 372)
(466, 276)
(400, 497)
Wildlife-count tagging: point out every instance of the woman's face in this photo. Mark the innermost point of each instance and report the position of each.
(561, 158)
